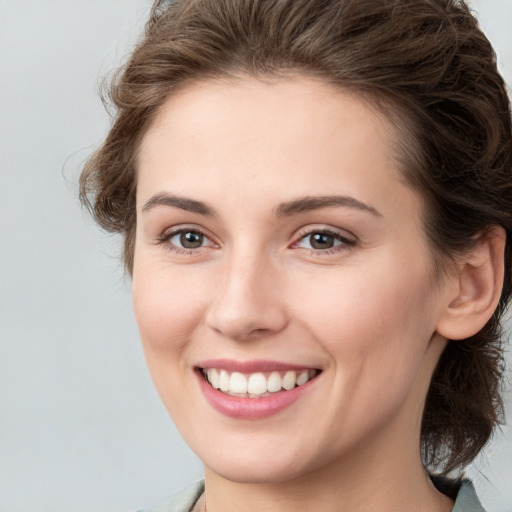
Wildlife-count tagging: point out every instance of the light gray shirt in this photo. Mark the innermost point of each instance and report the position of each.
(184, 501)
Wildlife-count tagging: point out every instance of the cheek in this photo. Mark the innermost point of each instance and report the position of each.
(376, 336)
(372, 320)
(168, 308)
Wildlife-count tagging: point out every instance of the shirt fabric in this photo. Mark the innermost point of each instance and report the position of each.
(465, 501)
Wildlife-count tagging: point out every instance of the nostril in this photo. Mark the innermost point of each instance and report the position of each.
(247, 325)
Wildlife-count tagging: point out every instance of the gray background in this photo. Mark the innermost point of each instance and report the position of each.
(81, 428)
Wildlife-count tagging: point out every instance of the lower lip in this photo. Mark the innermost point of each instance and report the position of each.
(251, 408)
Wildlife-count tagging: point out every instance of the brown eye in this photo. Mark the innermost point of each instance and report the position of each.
(190, 239)
(321, 241)
(186, 241)
(324, 241)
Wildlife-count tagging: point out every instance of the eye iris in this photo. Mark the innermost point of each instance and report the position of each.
(321, 241)
(191, 239)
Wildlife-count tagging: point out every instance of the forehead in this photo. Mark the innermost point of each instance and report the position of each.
(257, 104)
(272, 139)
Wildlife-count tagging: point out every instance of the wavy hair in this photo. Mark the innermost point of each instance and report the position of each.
(428, 67)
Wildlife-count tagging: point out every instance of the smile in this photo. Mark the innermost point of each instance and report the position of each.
(254, 390)
(258, 384)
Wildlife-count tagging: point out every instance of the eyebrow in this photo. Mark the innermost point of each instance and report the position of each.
(189, 205)
(308, 203)
(301, 205)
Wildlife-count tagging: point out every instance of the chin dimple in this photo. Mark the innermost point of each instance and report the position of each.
(256, 385)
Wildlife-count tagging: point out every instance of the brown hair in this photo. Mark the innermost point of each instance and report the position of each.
(425, 60)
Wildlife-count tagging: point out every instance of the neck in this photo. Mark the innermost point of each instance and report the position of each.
(388, 484)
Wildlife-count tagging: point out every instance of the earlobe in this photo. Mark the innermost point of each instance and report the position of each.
(477, 287)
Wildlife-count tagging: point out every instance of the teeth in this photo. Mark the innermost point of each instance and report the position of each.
(274, 382)
(224, 380)
(256, 385)
(238, 383)
(303, 377)
(213, 377)
(289, 380)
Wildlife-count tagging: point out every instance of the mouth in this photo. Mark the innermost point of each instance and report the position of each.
(257, 384)
(254, 390)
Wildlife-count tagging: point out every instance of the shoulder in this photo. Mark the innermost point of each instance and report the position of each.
(467, 500)
(461, 491)
(183, 501)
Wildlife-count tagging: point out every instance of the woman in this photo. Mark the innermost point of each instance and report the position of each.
(316, 201)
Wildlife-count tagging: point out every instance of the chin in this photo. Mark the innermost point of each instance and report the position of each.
(244, 473)
(257, 465)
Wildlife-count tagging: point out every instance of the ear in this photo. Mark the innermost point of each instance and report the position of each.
(476, 289)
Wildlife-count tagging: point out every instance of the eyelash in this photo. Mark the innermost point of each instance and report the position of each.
(345, 242)
(167, 236)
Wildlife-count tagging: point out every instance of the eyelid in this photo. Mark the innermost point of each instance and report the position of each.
(325, 228)
(165, 238)
(348, 239)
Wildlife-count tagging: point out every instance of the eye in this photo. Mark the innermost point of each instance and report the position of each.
(185, 240)
(188, 239)
(324, 240)
(319, 241)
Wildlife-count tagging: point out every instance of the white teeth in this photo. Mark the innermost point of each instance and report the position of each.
(213, 377)
(303, 377)
(289, 380)
(274, 382)
(224, 380)
(256, 385)
(238, 383)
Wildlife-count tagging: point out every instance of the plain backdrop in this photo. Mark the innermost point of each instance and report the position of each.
(81, 428)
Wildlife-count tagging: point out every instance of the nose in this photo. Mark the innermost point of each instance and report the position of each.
(249, 303)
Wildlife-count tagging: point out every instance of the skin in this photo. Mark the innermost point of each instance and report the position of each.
(365, 312)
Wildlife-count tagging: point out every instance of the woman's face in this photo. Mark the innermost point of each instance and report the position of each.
(278, 248)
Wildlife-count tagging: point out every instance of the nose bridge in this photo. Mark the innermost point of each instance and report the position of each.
(248, 301)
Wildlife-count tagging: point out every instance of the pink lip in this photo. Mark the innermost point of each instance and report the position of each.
(251, 408)
(250, 366)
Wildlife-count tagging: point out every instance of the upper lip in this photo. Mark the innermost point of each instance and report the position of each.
(257, 365)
